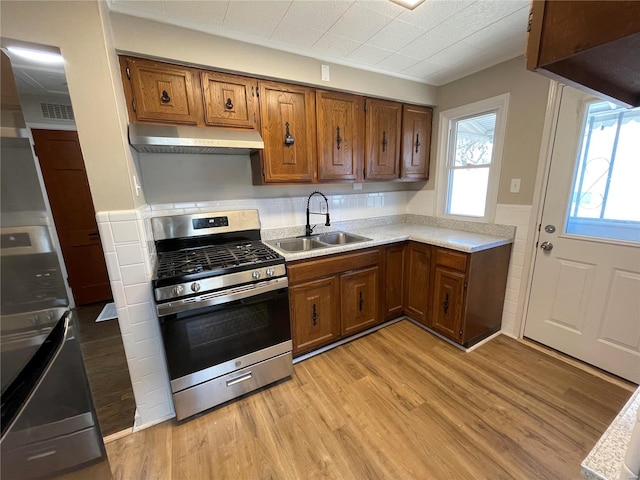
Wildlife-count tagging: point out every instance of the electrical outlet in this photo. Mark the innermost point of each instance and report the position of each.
(515, 185)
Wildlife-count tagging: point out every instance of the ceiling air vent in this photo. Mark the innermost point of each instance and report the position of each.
(56, 111)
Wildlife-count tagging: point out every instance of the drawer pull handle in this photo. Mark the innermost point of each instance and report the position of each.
(242, 378)
(314, 315)
(445, 304)
(229, 104)
(338, 138)
(384, 141)
(165, 97)
(38, 456)
(417, 144)
(361, 302)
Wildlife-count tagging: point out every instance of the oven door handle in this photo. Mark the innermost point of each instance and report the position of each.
(218, 298)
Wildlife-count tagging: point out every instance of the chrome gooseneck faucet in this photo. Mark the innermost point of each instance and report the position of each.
(308, 228)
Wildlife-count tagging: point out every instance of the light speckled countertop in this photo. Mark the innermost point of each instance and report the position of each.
(605, 458)
(462, 241)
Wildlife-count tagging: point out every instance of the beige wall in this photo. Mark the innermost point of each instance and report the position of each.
(527, 108)
(77, 29)
(138, 36)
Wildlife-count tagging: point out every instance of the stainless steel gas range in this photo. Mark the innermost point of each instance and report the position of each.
(223, 303)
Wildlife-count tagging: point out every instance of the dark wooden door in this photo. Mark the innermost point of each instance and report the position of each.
(417, 274)
(67, 187)
(448, 291)
(416, 142)
(288, 123)
(359, 290)
(315, 313)
(393, 294)
(383, 121)
(340, 120)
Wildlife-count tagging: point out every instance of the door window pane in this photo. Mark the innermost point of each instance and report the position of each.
(605, 200)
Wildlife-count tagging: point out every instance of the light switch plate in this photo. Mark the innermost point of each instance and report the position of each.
(325, 73)
(515, 185)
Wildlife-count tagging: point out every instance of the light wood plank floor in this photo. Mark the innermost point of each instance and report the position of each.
(396, 404)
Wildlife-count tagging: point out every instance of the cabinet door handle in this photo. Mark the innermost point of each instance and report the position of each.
(165, 98)
(338, 138)
(314, 315)
(384, 141)
(229, 104)
(288, 139)
(417, 144)
(361, 302)
(445, 304)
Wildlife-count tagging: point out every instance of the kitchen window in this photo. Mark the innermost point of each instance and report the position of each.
(471, 143)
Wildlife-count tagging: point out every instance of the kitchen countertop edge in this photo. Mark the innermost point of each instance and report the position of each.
(440, 237)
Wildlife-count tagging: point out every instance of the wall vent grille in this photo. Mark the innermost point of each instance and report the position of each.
(56, 111)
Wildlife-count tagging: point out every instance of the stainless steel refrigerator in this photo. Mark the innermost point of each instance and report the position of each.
(48, 419)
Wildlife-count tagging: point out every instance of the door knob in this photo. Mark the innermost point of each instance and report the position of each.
(546, 246)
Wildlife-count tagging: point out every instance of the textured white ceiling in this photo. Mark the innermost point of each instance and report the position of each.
(438, 42)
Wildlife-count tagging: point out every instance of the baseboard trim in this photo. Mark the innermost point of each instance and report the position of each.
(118, 435)
(451, 342)
(137, 428)
(345, 340)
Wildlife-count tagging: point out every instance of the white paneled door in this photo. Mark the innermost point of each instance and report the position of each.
(585, 296)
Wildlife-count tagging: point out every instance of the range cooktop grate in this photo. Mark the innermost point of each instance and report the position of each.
(212, 258)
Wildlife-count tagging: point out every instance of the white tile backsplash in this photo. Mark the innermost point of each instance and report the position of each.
(133, 274)
(126, 231)
(129, 254)
(138, 293)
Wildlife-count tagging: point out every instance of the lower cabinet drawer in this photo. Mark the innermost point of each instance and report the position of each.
(454, 260)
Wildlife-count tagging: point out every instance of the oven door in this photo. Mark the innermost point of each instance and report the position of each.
(204, 343)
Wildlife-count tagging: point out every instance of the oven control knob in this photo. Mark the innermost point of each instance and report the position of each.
(270, 272)
(255, 275)
(195, 287)
(178, 290)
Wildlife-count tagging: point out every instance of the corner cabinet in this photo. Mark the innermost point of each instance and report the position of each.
(382, 139)
(333, 297)
(417, 279)
(160, 92)
(416, 142)
(468, 293)
(288, 127)
(340, 124)
(394, 284)
(590, 45)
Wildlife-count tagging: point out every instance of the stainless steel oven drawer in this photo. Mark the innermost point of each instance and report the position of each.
(221, 389)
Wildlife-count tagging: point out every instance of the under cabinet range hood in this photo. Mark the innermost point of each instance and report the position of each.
(182, 139)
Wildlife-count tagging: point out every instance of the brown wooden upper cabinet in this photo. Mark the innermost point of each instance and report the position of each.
(416, 142)
(382, 139)
(340, 123)
(288, 127)
(160, 92)
(590, 45)
(230, 100)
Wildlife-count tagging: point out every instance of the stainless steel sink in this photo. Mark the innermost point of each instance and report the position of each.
(325, 240)
(340, 238)
(299, 244)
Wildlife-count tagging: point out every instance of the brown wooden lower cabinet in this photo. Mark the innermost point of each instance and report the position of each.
(417, 276)
(315, 311)
(459, 295)
(468, 293)
(332, 297)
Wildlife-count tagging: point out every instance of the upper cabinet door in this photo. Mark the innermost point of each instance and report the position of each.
(230, 100)
(340, 119)
(287, 117)
(416, 142)
(163, 92)
(383, 139)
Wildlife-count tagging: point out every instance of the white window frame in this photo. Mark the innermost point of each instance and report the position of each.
(499, 104)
